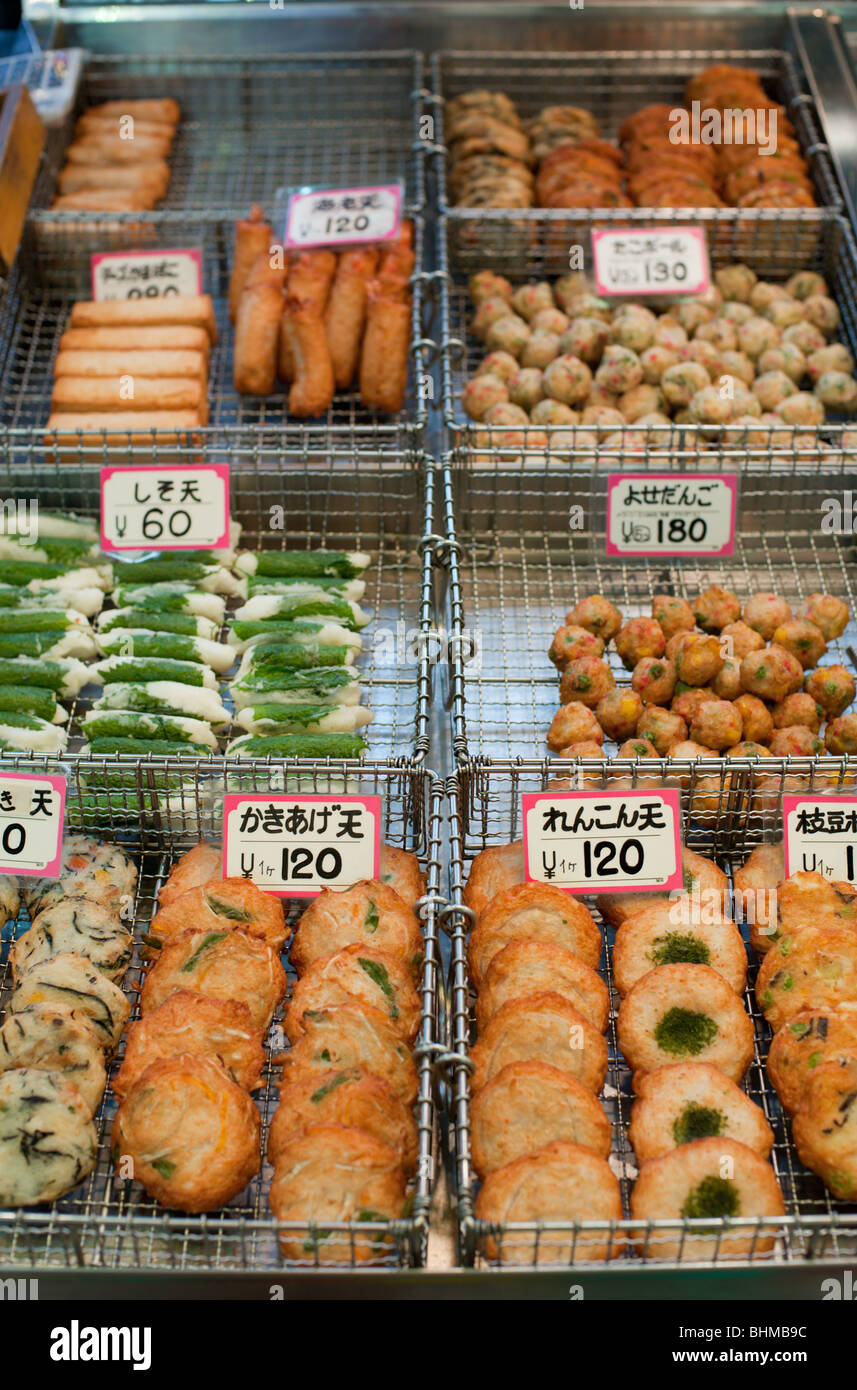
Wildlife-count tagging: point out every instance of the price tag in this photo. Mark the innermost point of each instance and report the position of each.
(32, 808)
(145, 274)
(600, 841)
(342, 216)
(671, 514)
(820, 834)
(297, 845)
(146, 506)
(650, 261)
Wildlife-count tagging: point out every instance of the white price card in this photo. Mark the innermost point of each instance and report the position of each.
(671, 514)
(152, 506)
(297, 845)
(342, 216)
(650, 260)
(32, 806)
(602, 841)
(146, 274)
(820, 834)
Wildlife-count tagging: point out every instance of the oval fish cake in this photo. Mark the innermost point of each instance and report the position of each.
(54, 1037)
(812, 1038)
(90, 868)
(75, 981)
(194, 868)
(703, 881)
(78, 927)
(755, 885)
(524, 968)
(693, 1100)
(353, 975)
(351, 1035)
(48, 1143)
(825, 1126)
(683, 1013)
(221, 965)
(528, 1105)
(533, 912)
(218, 905)
(491, 872)
(349, 1097)
(370, 914)
(219, 1028)
(657, 936)
(814, 969)
(541, 1028)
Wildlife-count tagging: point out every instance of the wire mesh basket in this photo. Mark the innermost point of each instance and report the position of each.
(485, 810)
(107, 1223)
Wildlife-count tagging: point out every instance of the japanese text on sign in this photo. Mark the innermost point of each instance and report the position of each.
(171, 508)
(650, 260)
(342, 216)
(297, 845)
(671, 514)
(820, 835)
(145, 274)
(601, 841)
(31, 820)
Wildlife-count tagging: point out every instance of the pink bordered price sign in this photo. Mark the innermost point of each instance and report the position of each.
(343, 216)
(165, 507)
(32, 809)
(602, 841)
(146, 274)
(295, 846)
(650, 261)
(820, 836)
(672, 515)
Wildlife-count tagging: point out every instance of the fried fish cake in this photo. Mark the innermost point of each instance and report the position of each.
(219, 1028)
(814, 969)
(400, 870)
(702, 879)
(369, 914)
(191, 1133)
(681, 1013)
(198, 866)
(349, 1097)
(524, 968)
(90, 869)
(48, 1142)
(693, 1100)
(528, 1105)
(541, 1028)
(221, 965)
(75, 981)
(333, 1174)
(812, 1038)
(825, 1127)
(54, 1037)
(351, 1035)
(689, 1182)
(221, 904)
(356, 975)
(657, 935)
(492, 872)
(562, 1182)
(78, 927)
(532, 912)
(755, 891)
(808, 899)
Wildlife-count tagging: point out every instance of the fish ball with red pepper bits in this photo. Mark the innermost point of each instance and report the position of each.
(735, 312)
(583, 305)
(548, 412)
(828, 613)
(501, 364)
(620, 369)
(540, 351)
(738, 365)
(803, 639)
(604, 417)
(727, 683)
(669, 334)
(525, 388)
(698, 658)
(764, 293)
(749, 749)
(786, 358)
(654, 680)
(804, 283)
(508, 334)
(491, 310)
(837, 390)
(840, 736)
(505, 415)
(783, 313)
(741, 639)
(681, 383)
(821, 310)
(831, 687)
(805, 336)
(587, 748)
(716, 608)
(638, 638)
(640, 400)
(708, 407)
(716, 724)
(585, 679)
(483, 392)
(720, 334)
(688, 699)
(756, 336)
(799, 708)
(687, 749)
(735, 281)
(765, 612)
(796, 741)
(599, 395)
(756, 720)
(597, 615)
(528, 300)
(655, 361)
(574, 723)
(772, 673)
(551, 320)
(744, 403)
(772, 388)
(570, 642)
(485, 283)
(672, 614)
(619, 712)
(691, 314)
(567, 379)
(661, 727)
(835, 358)
(633, 327)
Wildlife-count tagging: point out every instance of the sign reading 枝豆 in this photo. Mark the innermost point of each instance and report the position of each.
(181, 507)
(602, 841)
(297, 845)
(671, 514)
(820, 835)
(32, 806)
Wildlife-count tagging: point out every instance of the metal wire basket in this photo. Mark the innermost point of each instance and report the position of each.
(109, 1224)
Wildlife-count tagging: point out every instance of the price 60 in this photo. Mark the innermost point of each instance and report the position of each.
(177, 524)
(610, 859)
(302, 865)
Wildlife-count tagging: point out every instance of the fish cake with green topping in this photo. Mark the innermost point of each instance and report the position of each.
(368, 914)
(221, 904)
(227, 964)
(812, 1038)
(693, 1100)
(815, 968)
(344, 1097)
(351, 1035)
(48, 1143)
(683, 1013)
(825, 1127)
(657, 935)
(356, 974)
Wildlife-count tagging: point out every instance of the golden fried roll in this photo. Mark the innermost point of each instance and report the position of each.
(656, 935)
(332, 1174)
(311, 275)
(813, 1037)
(95, 123)
(532, 912)
(351, 1035)
(175, 338)
(193, 869)
(253, 238)
(401, 871)
(145, 363)
(349, 1097)
(218, 1028)
(153, 174)
(693, 1100)
(221, 905)
(682, 1013)
(312, 386)
(541, 1028)
(814, 969)
(163, 109)
(369, 914)
(285, 355)
(755, 891)
(492, 872)
(825, 1126)
(188, 310)
(56, 1037)
(74, 980)
(385, 351)
(528, 1105)
(102, 148)
(345, 315)
(561, 1182)
(524, 968)
(257, 327)
(139, 199)
(356, 975)
(702, 880)
(222, 965)
(692, 1181)
(192, 1135)
(126, 393)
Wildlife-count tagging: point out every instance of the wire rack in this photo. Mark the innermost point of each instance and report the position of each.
(485, 810)
(109, 1224)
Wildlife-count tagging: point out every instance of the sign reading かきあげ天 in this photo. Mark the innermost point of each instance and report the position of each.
(297, 845)
(603, 841)
(32, 806)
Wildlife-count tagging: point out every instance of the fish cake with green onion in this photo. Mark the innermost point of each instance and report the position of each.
(369, 914)
(218, 905)
(344, 1097)
(825, 1126)
(813, 1037)
(219, 1028)
(227, 964)
(815, 968)
(356, 974)
(693, 1100)
(351, 1035)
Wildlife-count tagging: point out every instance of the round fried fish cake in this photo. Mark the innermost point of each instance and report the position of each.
(657, 936)
(74, 980)
(354, 975)
(693, 1100)
(351, 1035)
(813, 969)
(350, 1097)
(48, 1142)
(185, 1022)
(541, 1028)
(222, 965)
(528, 1105)
(825, 1127)
(524, 968)
(702, 880)
(53, 1037)
(90, 869)
(682, 1013)
(689, 1182)
(532, 912)
(369, 914)
(812, 1038)
(332, 1174)
(77, 927)
(493, 871)
(811, 900)
(198, 866)
(400, 870)
(221, 904)
(562, 1182)
(191, 1133)
(755, 891)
